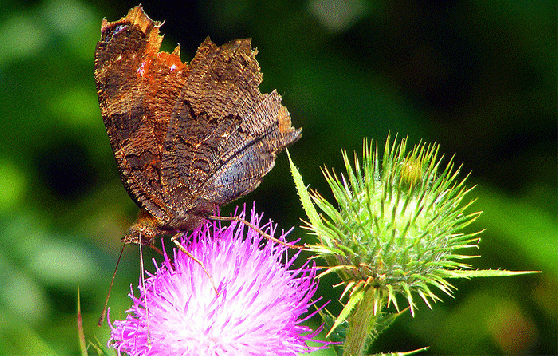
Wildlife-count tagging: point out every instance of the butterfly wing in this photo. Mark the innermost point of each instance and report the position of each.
(187, 138)
(137, 88)
(224, 134)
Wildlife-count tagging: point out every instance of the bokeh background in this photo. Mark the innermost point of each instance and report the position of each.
(477, 77)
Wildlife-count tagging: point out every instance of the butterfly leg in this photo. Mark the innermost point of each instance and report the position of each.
(256, 229)
(181, 248)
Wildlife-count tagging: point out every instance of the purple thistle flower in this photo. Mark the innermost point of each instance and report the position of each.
(259, 309)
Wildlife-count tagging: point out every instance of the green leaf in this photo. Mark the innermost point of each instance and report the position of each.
(403, 353)
(303, 195)
(328, 319)
(384, 320)
(81, 334)
(354, 299)
(482, 273)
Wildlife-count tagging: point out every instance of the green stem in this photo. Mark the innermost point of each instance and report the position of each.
(362, 323)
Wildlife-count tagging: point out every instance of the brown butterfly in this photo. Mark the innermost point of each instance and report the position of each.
(187, 138)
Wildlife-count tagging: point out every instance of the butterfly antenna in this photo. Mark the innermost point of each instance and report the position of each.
(181, 248)
(102, 317)
(257, 229)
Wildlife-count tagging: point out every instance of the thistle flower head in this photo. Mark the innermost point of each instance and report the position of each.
(259, 309)
(396, 223)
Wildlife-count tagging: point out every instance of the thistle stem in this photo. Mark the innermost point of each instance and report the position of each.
(362, 323)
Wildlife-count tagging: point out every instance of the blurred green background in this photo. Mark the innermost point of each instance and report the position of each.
(477, 77)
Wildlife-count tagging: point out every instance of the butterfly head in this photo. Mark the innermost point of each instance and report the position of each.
(144, 230)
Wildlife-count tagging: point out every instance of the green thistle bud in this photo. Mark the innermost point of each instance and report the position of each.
(396, 222)
(394, 231)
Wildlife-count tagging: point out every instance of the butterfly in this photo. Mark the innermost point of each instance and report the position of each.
(187, 138)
